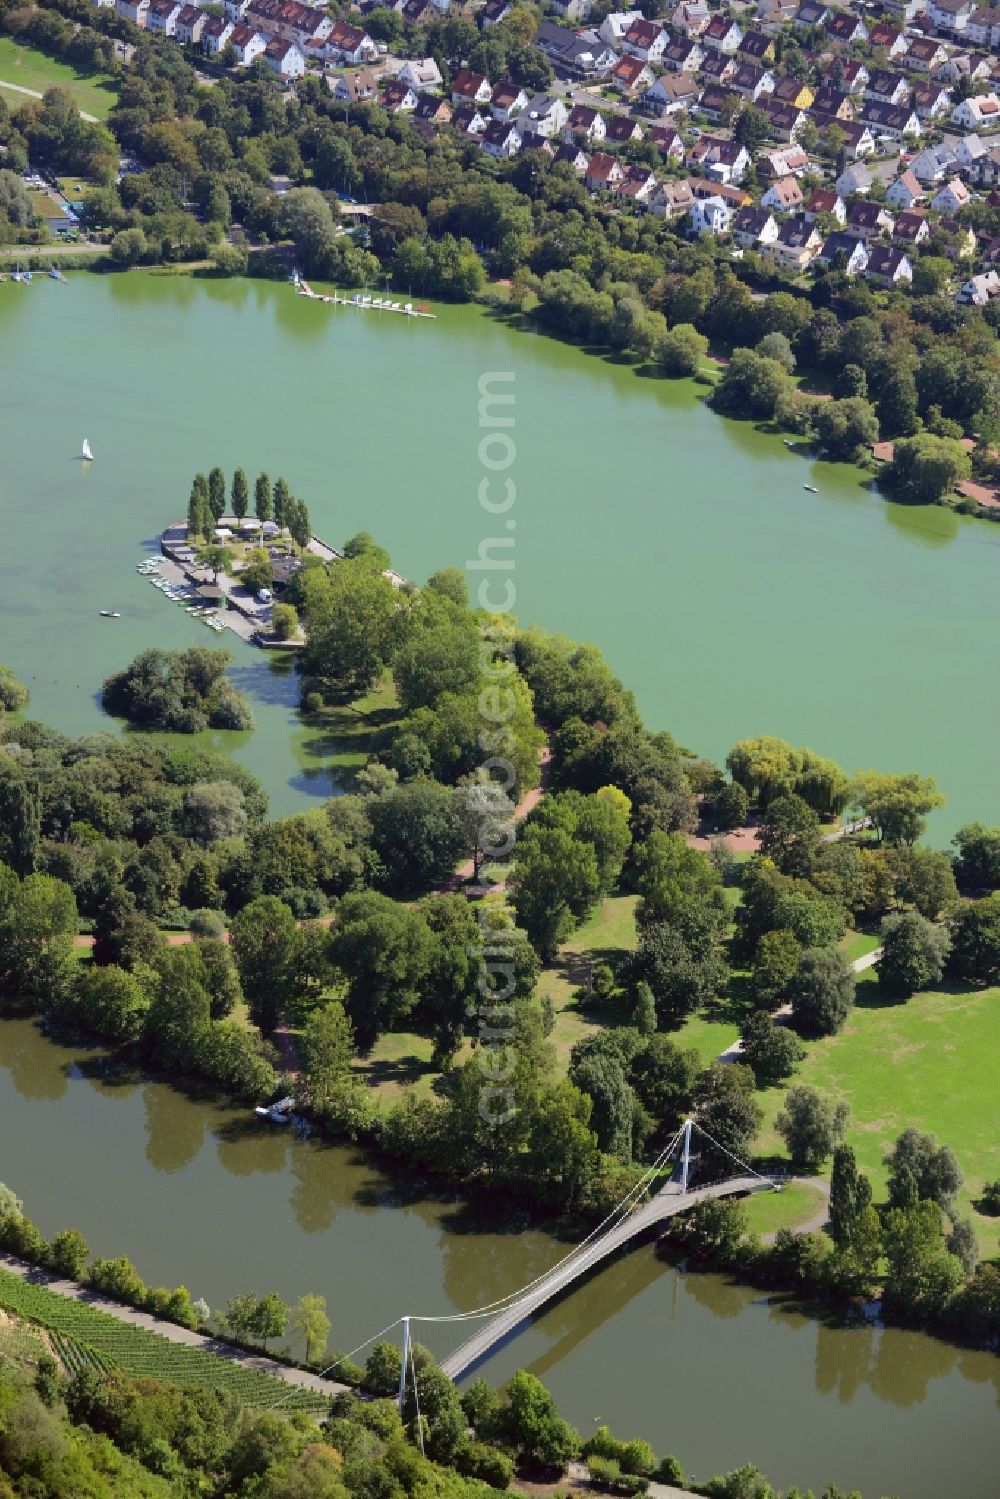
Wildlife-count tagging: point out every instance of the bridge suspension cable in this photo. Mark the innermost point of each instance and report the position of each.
(606, 1225)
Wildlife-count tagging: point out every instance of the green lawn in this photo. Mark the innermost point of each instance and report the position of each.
(344, 738)
(606, 937)
(856, 944)
(930, 1063)
(398, 1060)
(95, 93)
(792, 1206)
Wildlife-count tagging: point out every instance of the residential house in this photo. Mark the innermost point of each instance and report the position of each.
(616, 26)
(834, 103)
(959, 240)
(891, 120)
(646, 40)
(189, 24)
(544, 115)
(722, 34)
(585, 123)
(755, 46)
(797, 245)
(710, 216)
(575, 54)
(637, 186)
(246, 43)
(470, 88)
(162, 16)
(672, 93)
(978, 112)
(793, 91)
(784, 120)
(493, 12)
(904, 12)
(782, 161)
(603, 173)
(631, 77)
(843, 249)
(951, 197)
(886, 87)
(215, 34)
(856, 137)
(433, 110)
(867, 219)
(717, 103)
(720, 159)
(969, 150)
(888, 266)
(950, 16)
(736, 197)
(846, 28)
(398, 98)
(911, 228)
(572, 156)
(979, 290)
(501, 138)
(925, 55)
(284, 58)
(421, 75)
(671, 200)
(932, 101)
(933, 163)
(846, 74)
(772, 15)
(289, 21)
(468, 119)
(753, 227)
(822, 202)
(352, 44)
(811, 13)
(622, 130)
(905, 191)
(683, 55)
(717, 67)
(572, 10)
(667, 142)
(508, 100)
(354, 88)
(235, 10)
(785, 195)
(983, 28)
(690, 18)
(986, 171)
(854, 179)
(416, 13)
(135, 11)
(750, 82)
(888, 39)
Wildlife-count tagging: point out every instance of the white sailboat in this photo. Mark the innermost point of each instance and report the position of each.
(85, 452)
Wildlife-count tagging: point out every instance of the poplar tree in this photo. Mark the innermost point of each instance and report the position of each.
(262, 498)
(240, 495)
(282, 497)
(198, 509)
(217, 493)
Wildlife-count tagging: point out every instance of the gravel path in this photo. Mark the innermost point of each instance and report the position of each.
(34, 93)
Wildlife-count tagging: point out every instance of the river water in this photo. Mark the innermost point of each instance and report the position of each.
(731, 601)
(203, 1195)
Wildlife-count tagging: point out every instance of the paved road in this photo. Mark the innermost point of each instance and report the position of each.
(169, 1330)
(34, 93)
(784, 1014)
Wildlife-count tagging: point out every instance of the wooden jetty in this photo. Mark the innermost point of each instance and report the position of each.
(363, 301)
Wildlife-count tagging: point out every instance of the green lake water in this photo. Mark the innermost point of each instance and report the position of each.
(209, 1197)
(730, 600)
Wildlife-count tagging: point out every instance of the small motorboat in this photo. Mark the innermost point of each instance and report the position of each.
(788, 442)
(811, 488)
(85, 452)
(110, 614)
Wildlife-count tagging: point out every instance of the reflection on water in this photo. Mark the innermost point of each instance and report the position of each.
(207, 1196)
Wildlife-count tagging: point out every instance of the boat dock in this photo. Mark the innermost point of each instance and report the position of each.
(363, 301)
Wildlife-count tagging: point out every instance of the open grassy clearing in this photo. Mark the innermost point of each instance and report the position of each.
(344, 738)
(792, 1207)
(858, 944)
(929, 1063)
(139, 1352)
(95, 93)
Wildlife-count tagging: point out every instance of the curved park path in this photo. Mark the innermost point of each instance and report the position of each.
(34, 93)
(259, 1362)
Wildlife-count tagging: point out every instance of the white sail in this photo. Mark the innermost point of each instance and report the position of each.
(85, 450)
